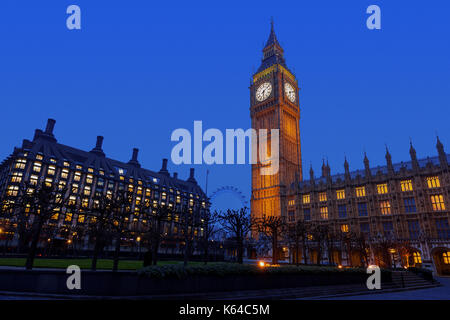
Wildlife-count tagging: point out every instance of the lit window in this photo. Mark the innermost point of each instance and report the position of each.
(12, 191)
(382, 188)
(55, 216)
(37, 166)
(51, 170)
(20, 163)
(64, 174)
(77, 176)
(81, 218)
(324, 213)
(385, 207)
(68, 217)
(72, 200)
(85, 202)
(360, 192)
(89, 178)
(48, 182)
(306, 198)
(66, 164)
(148, 192)
(138, 200)
(433, 182)
(62, 185)
(87, 190)
(437, 201)
(39, 157)
(417, 257)
(310, 237)
(446, 257)
(139, 190)
(33, 179)
(130, 188)
(344, 228)
(291, 202)
(406, 185)
(16, 177)
(91, 170)
(74, 188)
(322, 196)
(78, 167)
(340, 194)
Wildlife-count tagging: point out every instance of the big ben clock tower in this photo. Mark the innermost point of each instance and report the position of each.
(274, 104)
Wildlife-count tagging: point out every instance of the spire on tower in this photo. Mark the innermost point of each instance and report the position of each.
(272, 52)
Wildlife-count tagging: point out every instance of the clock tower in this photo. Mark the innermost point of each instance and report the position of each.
(274, 105)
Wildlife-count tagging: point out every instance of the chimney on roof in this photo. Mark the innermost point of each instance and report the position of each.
(134, 158)
(164, 167)
(50, 126)
(191, 176)
(99, 143)
(48, 133)
(98, 146)
(135, 154)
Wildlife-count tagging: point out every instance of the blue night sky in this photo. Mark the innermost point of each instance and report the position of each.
(137, 70)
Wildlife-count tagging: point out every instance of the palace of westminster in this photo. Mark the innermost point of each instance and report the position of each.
(408, 200)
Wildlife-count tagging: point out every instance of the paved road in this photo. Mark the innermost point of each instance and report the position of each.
(438, 293)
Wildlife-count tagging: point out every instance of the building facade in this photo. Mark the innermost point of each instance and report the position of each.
(403, 203)
(88, 174)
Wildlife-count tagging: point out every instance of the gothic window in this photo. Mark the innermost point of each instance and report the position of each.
(382, 188)
(322, 196)
(344, 228)
(442, 228)
(360, 192)
(385, 207)
(406, 185)
(414, 229)
(306, 198)
(362, 209)
(410, 205)
(433, 182)
(342, 211)
(437, 201)
(324, 213)
(340, 194)
(417, 258)
(307, 214)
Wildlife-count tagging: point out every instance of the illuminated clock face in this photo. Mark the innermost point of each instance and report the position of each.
(289, 91)
(263, 92)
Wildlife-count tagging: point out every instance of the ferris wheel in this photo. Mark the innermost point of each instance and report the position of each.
(230, 190)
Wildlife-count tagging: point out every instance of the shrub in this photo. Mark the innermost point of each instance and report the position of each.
(228, 269)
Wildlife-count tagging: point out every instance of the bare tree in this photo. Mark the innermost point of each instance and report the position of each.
(155, 216)
(237, 223)
(273, 227)
(42, 203)
(297, 236)
(209, 225)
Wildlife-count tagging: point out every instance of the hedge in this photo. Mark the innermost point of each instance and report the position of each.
(228, 269)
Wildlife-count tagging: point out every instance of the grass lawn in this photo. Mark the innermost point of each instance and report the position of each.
(82, 263)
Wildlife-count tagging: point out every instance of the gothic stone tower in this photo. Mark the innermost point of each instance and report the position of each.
(274, 105)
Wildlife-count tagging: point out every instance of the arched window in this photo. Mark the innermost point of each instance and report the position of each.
(417, 258)
(446, 256)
